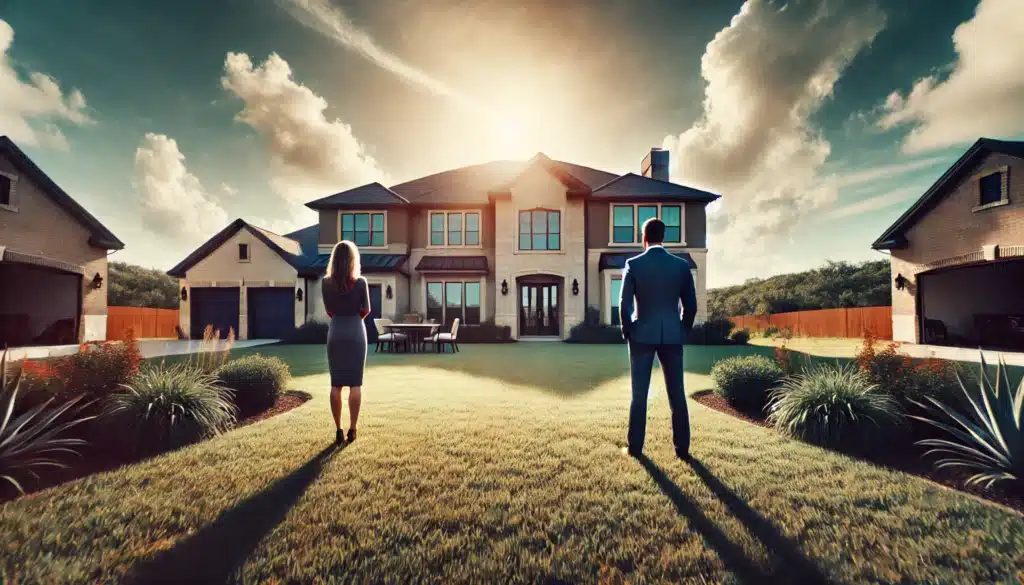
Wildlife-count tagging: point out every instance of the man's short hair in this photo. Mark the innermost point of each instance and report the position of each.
(654, 231)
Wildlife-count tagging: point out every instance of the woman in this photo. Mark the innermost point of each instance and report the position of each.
(347, 301)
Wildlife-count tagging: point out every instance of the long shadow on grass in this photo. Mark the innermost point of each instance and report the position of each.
(218, 551)
(733, 556)
(788, 558)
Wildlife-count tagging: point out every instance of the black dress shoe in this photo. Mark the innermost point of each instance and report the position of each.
(351, 435)
(339, 437)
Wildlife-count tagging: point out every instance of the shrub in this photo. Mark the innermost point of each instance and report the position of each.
(713, 332)
(213, 351)
(741, 337)
(771, 331)
(167, 407)
(745, 381)
(309, 333)
(256, 381)
(786, 333)
(32, 440)
(906, 380)
(486, 332)
(834, 406)
(987, 436)
(591, 330)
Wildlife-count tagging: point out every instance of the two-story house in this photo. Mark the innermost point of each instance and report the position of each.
(527, 244)
(957, 255)
(53, 259)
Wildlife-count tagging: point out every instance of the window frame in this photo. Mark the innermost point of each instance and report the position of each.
(248, 252)
(445, 282)
(449, 212)
(370, 213)
(1004, 191)
(12, 192)
(547, 233)
(637, 226)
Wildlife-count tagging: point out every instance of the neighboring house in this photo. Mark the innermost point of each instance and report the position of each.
(527, 244)
(53, 259)
(957, 255)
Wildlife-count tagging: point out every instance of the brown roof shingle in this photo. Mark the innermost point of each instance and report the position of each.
(452, 264)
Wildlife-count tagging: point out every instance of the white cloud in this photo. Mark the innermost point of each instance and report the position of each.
(311, 155)
(228, 190)
(30, 111)
(173, 201)
(876, 203)
(321, 16)
(884, 172)
(767, 73)
(982, 96)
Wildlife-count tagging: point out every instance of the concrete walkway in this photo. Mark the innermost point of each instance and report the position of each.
(150, 348)
(848, 348)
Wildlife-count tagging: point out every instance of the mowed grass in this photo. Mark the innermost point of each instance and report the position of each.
(502, 464)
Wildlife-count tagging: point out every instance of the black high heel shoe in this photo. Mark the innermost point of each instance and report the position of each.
(351, 435)
(339, 437)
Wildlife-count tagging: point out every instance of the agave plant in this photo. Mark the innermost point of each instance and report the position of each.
(988, 437)
(33, 439)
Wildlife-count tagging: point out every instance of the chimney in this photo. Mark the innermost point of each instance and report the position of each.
(655, 165)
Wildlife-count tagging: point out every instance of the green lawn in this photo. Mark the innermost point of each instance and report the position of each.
(501, 464)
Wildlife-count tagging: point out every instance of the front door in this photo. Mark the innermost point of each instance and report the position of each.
(538, 309)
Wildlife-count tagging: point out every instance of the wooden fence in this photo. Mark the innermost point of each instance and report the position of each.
(144, 322)
(852, 322)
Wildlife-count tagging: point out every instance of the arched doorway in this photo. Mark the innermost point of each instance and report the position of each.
(540, 305)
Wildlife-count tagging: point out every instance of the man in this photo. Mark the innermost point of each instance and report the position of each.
(658, 281)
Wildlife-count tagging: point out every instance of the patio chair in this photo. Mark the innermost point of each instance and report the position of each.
(441, 339)
(385, 339)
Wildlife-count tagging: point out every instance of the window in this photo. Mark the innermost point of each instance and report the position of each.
(5, 189)
(540, 229)
(448, 301)
(628, 222)
(991, 187)
(455, 228)
(364, 229)
(613, 298)
(243, 252)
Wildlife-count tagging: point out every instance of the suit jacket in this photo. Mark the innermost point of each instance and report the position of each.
(659, 282)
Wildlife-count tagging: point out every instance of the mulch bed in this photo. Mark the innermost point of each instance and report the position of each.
(100, 462)
(906, 458)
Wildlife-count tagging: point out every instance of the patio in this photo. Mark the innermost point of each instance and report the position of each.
(503, 464)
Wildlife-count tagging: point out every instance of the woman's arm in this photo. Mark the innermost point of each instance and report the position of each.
(364, 305)
(324, 296)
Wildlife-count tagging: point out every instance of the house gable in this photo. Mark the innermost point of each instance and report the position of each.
(263, 264)
(224, 248)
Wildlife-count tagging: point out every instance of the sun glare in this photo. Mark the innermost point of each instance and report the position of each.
(510, 135)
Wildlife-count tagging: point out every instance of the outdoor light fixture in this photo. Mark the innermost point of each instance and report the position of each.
(504, 287)
(298, 294)
(575, 287)
(184, 294)
(97, 281)
(901, 282)
(388, 291)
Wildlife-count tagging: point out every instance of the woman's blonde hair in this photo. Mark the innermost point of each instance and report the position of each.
(343, 268)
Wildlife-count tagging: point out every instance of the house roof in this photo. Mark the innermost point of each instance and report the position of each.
(369, 263)
(371, 194)
(617, 260)
(452, 264)
(288, 249)
(633, 186)
(472, 185)
(100, 236)
(895, 236)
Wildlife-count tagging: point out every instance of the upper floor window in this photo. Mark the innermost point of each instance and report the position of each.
(243, 252)
(454, 228)
(540, 229)
(363, 229)
(6, 189)
(991, 188)
(628, 222)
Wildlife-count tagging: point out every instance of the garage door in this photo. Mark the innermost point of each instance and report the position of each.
(214, 306)
(271, 312)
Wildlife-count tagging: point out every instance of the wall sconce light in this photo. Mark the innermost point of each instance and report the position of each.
(97, 281)
(575, 287)
(298, 294)
(901, 283)
(184, 294)
(388, 292)
(504, 287)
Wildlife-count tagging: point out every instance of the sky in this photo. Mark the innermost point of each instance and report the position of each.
(818, 121)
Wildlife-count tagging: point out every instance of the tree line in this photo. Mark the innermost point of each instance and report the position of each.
(135, 286)
(834, 285)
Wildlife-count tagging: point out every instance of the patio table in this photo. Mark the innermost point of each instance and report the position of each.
(416, 332)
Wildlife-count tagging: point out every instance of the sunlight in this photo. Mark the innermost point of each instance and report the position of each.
(510, 135)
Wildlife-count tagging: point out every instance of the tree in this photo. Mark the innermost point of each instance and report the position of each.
(135, 286)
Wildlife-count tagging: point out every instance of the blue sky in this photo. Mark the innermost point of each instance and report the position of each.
(818, 121)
